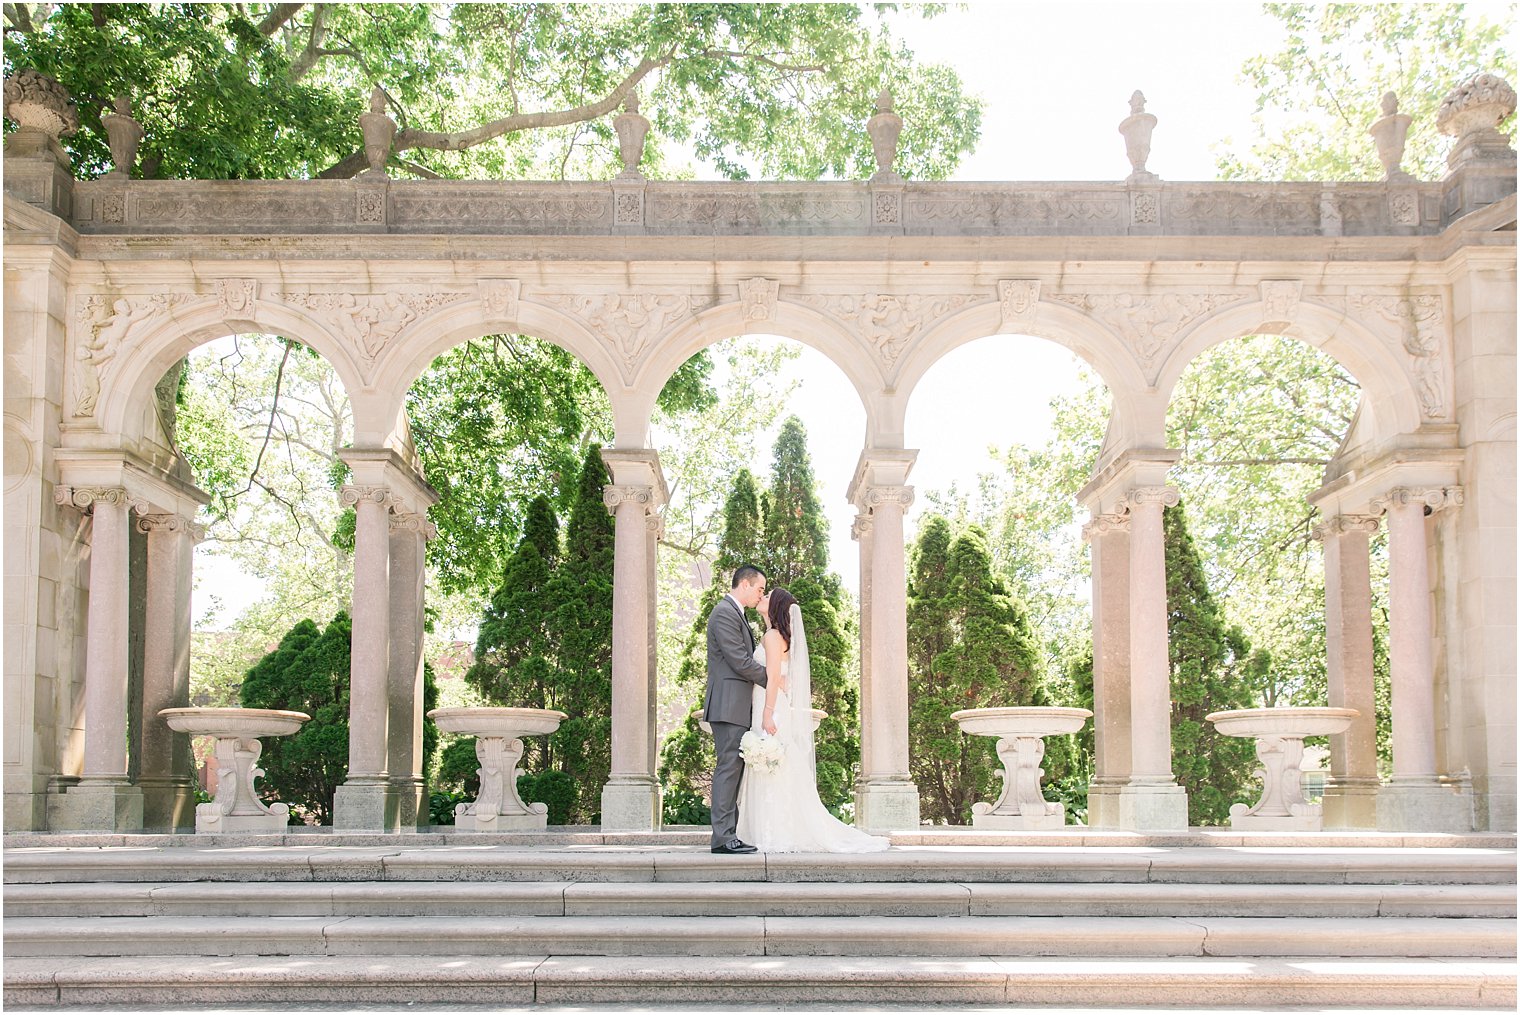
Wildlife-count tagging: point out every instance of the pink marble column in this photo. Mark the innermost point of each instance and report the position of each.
(1411, 660)
(164, 772)
(409, 534)
(1350, 795)
(630, 798)
(860, 530)
(1108, 535)
(363, 800)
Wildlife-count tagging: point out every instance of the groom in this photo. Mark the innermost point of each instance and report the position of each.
(731, 674)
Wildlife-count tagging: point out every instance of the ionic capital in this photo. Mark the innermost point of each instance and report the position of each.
(351, 496)
(614, 497)
(654, 524)
(1338, 525)
(413, 521)
(1431, 498)
(84, 498)
(1101, 525)
(860, 527)
(171, 523)
(880, 496)
(1166, 496)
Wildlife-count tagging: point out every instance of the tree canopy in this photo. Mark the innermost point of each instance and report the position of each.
(233, 91)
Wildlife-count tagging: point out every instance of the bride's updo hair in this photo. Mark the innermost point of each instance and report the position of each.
(780, 614)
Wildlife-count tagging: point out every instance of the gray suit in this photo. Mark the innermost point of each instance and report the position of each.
(732, 674)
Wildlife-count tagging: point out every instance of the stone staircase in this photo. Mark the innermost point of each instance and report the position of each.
(593, 919)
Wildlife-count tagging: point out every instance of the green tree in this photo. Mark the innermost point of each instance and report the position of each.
(308, 672)
(795, 555)
(1318, 94)
(1211, 666)
(579, 614)
(686, 759)
(985, 655)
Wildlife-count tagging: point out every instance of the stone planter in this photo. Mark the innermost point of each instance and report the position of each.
(1021, 734)
(1279, 734)
(237, 807)
(498, 746)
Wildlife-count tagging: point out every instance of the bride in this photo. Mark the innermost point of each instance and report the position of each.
(779, 810)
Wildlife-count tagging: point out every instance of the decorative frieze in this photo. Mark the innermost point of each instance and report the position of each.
(102, 327)
(368, 321)
(1420, 322)
(889, 321)
(1148, 323)
(628, 322)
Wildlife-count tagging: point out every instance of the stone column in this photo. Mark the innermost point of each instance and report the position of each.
(631, 798)
(409, 534)
(1415, 799)
(1351, 793)
(103, 800)
(1151, 800)
(1108, 535)
(861, 532)
(886, 798)
(363, 802)
(165, 774)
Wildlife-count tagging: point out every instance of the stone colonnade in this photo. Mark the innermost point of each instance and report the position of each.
(1410, 285)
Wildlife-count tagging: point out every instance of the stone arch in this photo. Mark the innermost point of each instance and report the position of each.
(1388, 393)
(425, 340)
(1090, 341)
(163, 339)
(787, 320)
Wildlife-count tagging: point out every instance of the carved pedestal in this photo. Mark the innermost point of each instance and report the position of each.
(1021, 734)
(237, 807)
(1279, 734)
(498, 746)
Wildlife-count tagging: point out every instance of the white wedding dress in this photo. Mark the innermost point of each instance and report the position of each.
(779, 811)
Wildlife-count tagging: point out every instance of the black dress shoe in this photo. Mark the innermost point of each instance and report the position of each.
(734, 846)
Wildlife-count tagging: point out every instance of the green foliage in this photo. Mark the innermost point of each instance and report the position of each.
(441, 806)
(1211, 670)
(558, 790)
(308, 672)
(970, 646)
(459, 769)
(685, 807)
(1319, 93)
(513, 651)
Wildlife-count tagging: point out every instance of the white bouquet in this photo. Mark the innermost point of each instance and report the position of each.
(760, 752)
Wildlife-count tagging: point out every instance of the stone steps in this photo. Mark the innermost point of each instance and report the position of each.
(756, 899)
(770, 982)
(592, 922)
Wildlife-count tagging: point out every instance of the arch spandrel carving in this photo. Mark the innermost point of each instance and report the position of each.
(1414, 322)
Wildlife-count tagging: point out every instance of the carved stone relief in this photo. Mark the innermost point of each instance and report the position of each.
(1281, 298)
(1017, 299)
(887, 208)
(1147, 323)
(757, 296)
(1421, 325)
(1404, 207)
(628, 322)
(102, 326)
(501, 297)
(368, 321)
(1145, 210)
(236, 297)
(889, 321)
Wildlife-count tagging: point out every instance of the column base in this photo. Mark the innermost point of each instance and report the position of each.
(364, 804)
(1350, 804)
(97, 807)
(1153, 808)
(411, 803)
(1422, 807)
(1103, 803)
(168, 802)
(1046, 822)
(631, 804)
(886, 806)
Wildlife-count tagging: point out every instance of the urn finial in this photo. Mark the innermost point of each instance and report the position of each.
(123, 134)
(1472, 114)
(379, 130)
(1137, 128)
(885, 128)
(631, 130)
(43, 112)
(1389, 133)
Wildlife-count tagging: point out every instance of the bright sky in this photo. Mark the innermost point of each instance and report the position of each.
(1056, 79)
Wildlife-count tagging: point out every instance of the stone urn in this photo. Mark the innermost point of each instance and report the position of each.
(237, 807)
(379, 130)
(1471, 113)
(1021, 734)
(884, 129)
(1279, 735)
(1137, 128)
(631, 129)
(498, 734)
(819, 715)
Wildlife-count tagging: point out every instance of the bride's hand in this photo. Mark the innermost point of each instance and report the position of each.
(768, 723)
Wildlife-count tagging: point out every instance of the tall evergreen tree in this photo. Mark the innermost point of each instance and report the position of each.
(579, 613)
(1211, 667)
(978, 650)
(307, 672)
(686, 760)
(795, 555)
